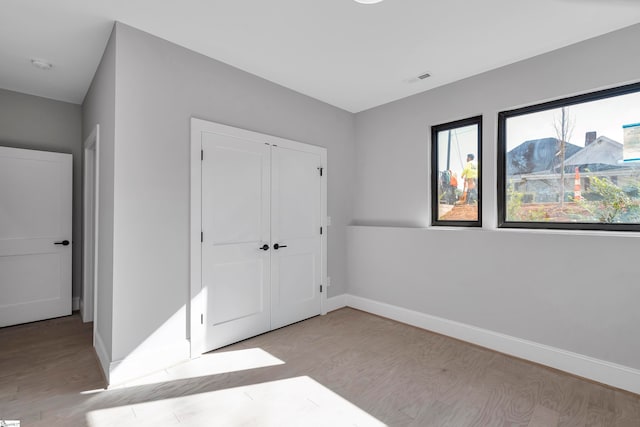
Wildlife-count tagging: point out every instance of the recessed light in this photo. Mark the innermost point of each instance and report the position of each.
(41, 64)
(368, 1)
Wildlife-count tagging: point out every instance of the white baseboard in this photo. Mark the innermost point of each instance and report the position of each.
(148, 362)
(337, 302)
(612, 374)
(75, 303)
(103, 356)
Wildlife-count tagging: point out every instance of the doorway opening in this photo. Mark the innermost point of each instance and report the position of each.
(89, 304)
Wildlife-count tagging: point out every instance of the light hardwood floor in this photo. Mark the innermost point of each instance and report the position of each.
(304, 374)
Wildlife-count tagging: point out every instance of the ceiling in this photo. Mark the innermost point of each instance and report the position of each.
(350, 55)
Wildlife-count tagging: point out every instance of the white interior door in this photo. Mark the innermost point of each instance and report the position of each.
(35, 221)
(296, 271)
(235, 227)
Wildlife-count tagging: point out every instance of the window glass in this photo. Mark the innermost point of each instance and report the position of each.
(572, 163)
(456, 196)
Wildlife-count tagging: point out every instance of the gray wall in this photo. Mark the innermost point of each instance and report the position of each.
(35, 123)
(577, 291)
(159, 87)
(99, 108)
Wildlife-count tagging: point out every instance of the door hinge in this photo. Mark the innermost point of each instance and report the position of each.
(202, 319)
(201, 154)
(320, 230)
(320, 170)
(201, 236)
(320, 288)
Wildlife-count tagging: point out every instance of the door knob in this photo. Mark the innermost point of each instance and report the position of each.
(264, 247)
(278, 246)
(63, 243)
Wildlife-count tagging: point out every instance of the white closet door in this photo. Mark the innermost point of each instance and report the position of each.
(35, 214)
(295, 228)
(235, 226)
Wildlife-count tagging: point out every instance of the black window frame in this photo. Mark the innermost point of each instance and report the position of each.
(476, 120)
(502, 161)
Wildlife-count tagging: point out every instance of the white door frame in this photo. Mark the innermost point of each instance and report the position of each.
(91, 159)
(197, 302)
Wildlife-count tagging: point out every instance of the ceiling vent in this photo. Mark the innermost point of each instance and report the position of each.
(422, 76)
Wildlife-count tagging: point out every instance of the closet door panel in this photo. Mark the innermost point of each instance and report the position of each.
(296, 220)
(235, 226)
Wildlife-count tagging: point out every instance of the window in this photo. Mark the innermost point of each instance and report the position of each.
(456, 183)
(573, 163)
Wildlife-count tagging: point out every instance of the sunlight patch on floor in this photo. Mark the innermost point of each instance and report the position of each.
(209, 364)
(298, 401)
(88, 392)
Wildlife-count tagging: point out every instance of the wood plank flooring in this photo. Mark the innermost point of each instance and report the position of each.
(345, 368)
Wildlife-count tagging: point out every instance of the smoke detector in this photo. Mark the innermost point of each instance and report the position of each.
(368, 1)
